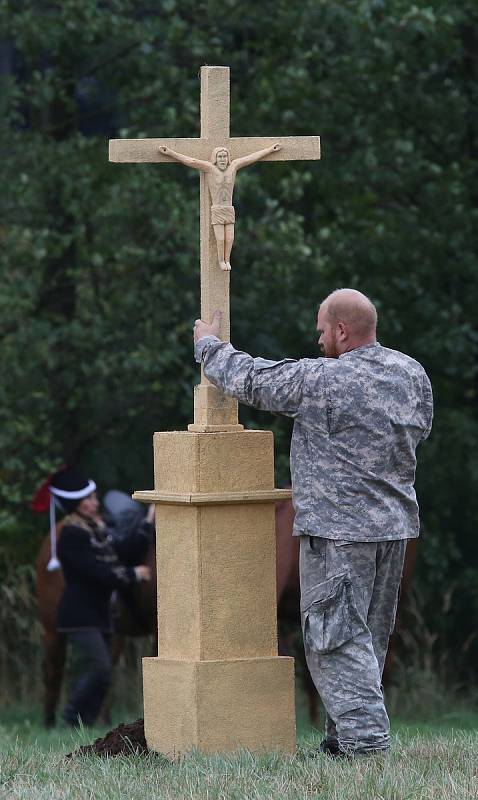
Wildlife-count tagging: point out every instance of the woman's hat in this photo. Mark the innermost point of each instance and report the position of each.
(66, 488)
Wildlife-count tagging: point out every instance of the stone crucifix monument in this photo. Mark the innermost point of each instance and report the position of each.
(217, 683)
(221, 175)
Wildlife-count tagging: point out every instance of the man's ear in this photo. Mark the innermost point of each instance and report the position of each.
(343, 331)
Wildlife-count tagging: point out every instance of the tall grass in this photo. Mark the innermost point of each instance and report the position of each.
(421, 767)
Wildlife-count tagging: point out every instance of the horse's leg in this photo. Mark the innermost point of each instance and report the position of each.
(53, 665)
(117, 647)
(312, 697)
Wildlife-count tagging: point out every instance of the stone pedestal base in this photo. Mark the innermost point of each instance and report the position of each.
(218, 683)
(218, 706)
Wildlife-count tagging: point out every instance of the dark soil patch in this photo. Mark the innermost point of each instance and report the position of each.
(125, 740)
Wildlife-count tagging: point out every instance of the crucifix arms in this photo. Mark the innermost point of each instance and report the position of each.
(220, 174)
(239, 163)
(195, 163)
(220, 158)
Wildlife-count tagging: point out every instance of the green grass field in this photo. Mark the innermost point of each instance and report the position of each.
(433, 759)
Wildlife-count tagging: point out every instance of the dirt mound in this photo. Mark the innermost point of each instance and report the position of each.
(126, 739)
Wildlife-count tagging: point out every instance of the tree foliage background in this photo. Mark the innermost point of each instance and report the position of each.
(99, 262)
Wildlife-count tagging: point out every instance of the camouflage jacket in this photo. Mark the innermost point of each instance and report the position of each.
(357, 422)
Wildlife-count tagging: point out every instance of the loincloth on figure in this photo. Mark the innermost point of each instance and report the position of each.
(223, 215)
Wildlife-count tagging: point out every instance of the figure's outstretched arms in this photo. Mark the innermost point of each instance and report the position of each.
(195, 163)
(239, 163)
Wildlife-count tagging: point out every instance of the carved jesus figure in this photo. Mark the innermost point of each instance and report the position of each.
(221, 174)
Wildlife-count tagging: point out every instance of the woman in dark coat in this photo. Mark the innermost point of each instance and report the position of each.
(93, 566)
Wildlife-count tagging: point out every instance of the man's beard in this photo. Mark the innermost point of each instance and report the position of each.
(331, 350)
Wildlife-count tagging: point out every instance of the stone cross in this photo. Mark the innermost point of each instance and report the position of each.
(213, 411)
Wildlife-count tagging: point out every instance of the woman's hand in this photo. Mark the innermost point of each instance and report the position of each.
(143, 573)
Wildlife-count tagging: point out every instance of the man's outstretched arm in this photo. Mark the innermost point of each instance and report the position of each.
(269, 385)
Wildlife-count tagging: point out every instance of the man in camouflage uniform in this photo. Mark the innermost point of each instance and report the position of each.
(359, 414)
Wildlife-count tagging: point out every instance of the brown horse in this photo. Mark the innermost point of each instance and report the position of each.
(142, 618)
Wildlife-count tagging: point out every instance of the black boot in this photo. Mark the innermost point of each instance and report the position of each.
(330, 747)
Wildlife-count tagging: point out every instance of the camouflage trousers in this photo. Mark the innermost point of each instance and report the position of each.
(349, 594)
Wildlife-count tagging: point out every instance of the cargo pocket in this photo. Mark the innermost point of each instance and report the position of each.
(343, 709)
(330, 616)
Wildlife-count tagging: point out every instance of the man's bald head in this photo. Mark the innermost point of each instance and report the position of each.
(353, 308)
(347, 319)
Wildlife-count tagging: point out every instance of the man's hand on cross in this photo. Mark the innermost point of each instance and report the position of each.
(202, 329)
